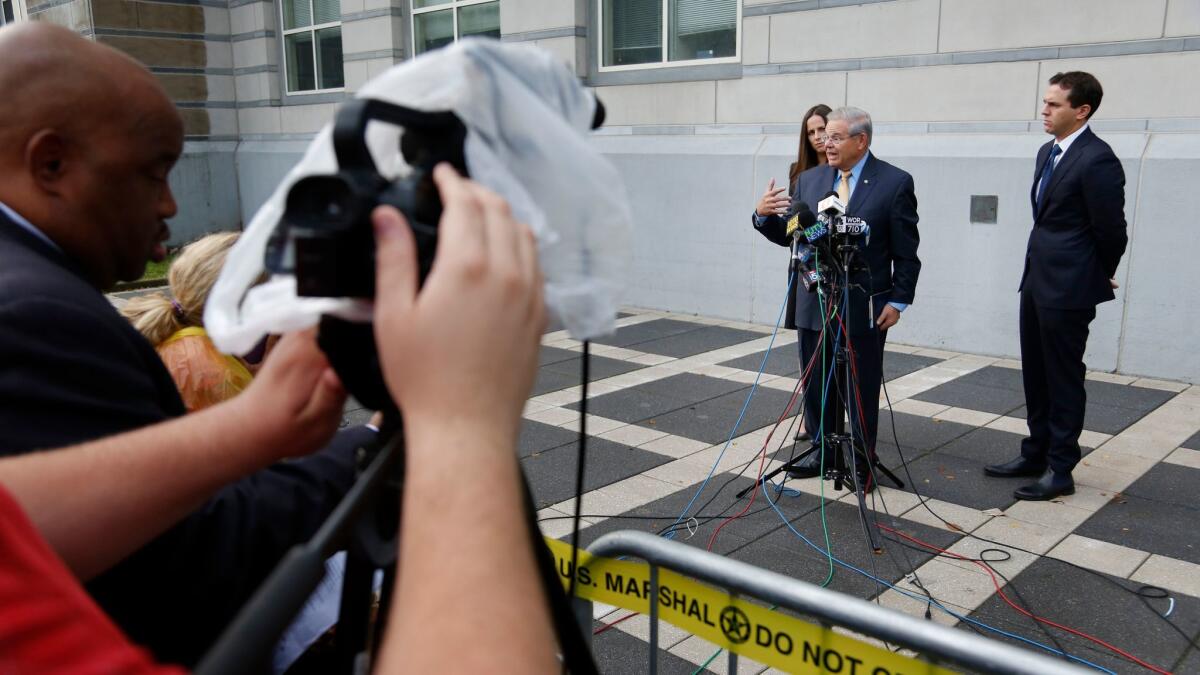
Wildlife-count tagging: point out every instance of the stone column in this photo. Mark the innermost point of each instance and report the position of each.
(559, 26)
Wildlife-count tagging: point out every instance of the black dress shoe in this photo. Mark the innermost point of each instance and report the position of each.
(1049, 486)
(802, 435)
(1017, 468)
(809, 467)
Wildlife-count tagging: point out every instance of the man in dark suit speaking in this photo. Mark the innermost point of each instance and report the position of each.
(1078, 237)
(883, 196)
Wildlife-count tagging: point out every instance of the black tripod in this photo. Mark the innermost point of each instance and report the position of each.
(366, 525)
(847, 449)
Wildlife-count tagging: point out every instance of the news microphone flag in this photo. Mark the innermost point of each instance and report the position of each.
(803, 218)
(793, 224)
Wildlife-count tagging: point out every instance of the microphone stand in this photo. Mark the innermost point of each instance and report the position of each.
(848, 448)
(845, 446)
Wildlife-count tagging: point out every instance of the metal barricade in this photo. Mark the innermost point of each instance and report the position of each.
(932, 640)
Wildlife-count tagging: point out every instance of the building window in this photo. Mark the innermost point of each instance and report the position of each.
(633, 32)
(312, 45)
(437, 23)
(11, 11)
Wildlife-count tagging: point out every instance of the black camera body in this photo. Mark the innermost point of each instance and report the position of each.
(325, 238)
(327, 218)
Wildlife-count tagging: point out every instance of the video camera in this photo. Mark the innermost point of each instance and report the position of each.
(328, 217)
(520, 118)
(325, 237)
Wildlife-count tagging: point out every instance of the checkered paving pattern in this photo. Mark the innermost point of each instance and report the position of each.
(667, 390)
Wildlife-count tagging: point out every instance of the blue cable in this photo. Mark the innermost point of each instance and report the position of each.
(829, 553)
(793, 492)
(927, 600)
(785, 491)
(762, 366)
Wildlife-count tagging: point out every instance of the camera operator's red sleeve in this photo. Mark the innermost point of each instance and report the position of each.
(48, 623)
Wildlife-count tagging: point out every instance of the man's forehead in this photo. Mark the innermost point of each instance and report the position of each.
(836, 125)
(1056, 93)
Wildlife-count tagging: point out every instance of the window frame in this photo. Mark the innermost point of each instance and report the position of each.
(311, 29)
(451, 6)
(19, 13)
(666, 37)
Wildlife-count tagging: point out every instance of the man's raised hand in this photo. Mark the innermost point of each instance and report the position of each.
(773, 201)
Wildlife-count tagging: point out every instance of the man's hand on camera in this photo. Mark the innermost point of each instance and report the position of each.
(773, 201)
(459, 358)
(461, 353)
(295, 402)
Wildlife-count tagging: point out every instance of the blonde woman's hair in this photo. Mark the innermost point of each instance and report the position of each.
(190, 278)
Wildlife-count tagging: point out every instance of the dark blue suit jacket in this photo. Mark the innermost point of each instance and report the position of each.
(885, 198)
(1078, 234)
(72, 370)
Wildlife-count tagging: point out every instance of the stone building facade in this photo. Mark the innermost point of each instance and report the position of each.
(704, 101)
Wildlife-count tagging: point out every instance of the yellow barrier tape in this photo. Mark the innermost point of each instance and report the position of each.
(767, 636)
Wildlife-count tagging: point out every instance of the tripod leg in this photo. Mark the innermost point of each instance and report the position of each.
(354, 613)
(778, 470)
(381, 617)
(373, 547)
(870, 528)
(887, 472)
(872, 461)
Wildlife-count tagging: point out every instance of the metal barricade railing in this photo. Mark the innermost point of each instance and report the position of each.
(931, 640)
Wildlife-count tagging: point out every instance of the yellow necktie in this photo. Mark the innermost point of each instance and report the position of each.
(844, 188)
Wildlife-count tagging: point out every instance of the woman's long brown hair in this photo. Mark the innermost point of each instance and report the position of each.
(806, 157)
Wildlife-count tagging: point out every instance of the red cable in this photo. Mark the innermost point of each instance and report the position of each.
(804, 377)
(986, 568)
(862, 422)
(761, 466)
(1022, 610)
(606, 626)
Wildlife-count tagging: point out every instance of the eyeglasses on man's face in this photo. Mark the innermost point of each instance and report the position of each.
(837, 139)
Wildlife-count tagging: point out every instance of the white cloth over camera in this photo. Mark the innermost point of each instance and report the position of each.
(528, 122)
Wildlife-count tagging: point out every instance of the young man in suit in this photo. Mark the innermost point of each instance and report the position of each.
(1078, 237)
(882, 285)
(86, 146)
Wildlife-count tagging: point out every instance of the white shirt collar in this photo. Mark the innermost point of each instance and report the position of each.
(27, 226)
(1065, 143)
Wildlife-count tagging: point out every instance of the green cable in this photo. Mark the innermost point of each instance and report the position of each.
(824, 522)
(710, 660)
(821, 426)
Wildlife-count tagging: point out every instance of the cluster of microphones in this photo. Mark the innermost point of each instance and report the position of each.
(813, 234)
